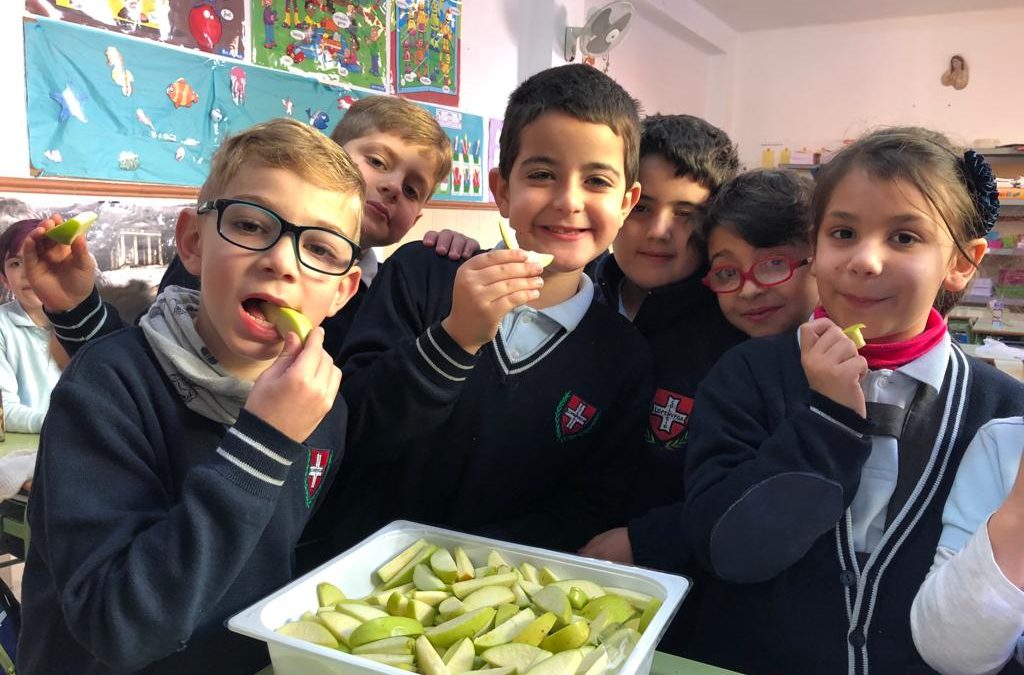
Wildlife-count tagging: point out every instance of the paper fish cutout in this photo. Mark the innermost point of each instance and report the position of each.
(179, 154)
(118, 73)
(53, 156)
(318, 120)
(70, 103)
(142, 117)
(345, 102)
(238, 85)
(288, 104)
(128, 161)
(181, 93)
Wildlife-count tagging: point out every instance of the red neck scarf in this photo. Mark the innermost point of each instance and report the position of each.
(896, 354)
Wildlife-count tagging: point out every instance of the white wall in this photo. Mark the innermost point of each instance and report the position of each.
(817, 85)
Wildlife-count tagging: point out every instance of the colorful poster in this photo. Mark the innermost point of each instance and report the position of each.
(427, 34)
(344, 42)
(493, 149)
(108, 107)
(214, 26)
(467, 180)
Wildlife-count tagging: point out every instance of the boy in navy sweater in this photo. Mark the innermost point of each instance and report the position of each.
(181, 458)
(496, 396)
(654, 278)
(402, 154)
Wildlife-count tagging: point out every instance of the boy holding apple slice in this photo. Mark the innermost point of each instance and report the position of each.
(181, 458)
(496, 396)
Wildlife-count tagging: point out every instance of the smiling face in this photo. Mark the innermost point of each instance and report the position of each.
(566, 193)
(755, 310)
(399, 181)
(882, 255)
(654, 246)
(235, 280)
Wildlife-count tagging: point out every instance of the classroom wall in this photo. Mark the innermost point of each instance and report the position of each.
(819, 84)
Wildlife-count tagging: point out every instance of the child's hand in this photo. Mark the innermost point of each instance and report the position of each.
(613, 545)
(298, 389)
(832, 364)
(455, 244)
(61, 275)
(487, 287)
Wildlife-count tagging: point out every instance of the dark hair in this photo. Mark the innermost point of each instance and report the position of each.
(699, 150)
(925, 160)
(13, 237)
(579, 91)
(765, 207)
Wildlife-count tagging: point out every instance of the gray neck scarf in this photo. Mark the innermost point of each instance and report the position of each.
(203, 385)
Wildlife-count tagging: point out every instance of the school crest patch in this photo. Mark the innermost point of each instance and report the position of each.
(669, 418)
(316, 472)
(574, 417)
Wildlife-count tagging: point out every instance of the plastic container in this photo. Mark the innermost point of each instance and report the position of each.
(352, 570)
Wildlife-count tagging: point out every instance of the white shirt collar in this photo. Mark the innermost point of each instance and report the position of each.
(369, 265)
(930, 368)
(570, 312)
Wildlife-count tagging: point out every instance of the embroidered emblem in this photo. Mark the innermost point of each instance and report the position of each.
(574, 417)
(316, 471)
(669, 418)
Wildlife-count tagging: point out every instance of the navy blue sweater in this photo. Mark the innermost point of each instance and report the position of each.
(538, 451)
(152, 525)
(772, 468)
(687, 333)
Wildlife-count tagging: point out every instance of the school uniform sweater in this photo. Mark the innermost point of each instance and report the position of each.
(152, 525)
(772, 470)
(687, 333)
(536, 450)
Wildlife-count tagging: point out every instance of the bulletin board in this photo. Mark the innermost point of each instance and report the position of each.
(467, 181)
(213, 26)
(427, 45)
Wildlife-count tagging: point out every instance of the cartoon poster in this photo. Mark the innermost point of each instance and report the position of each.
(468, 177)
(213, 26)
(344, 41)
(108, 107)
(427, 34)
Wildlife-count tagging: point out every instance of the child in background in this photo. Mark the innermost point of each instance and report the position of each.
(210, 437)
(28, 372)
(654, 278)
(468, 380)
(402, 153)
(817, 474)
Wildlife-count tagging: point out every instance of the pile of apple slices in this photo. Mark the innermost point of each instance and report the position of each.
(435, 613)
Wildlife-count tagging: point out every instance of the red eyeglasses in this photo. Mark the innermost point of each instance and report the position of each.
(766, 273)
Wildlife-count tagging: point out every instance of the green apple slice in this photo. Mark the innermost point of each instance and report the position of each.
(572, 636)
(537, 630)
(459, 657)
(467, 625)
(420, 611)
(514, 655)
(451, 607)
(463, 588)
(425, 580)
(463, 565)
(648, 614)
(429, 661)
(327, 594)
(392, 645)
(636, 598)
(617, 607)
(589, 588)
(563, 663)
(392, 659)
(432, 598)
(404, 575)
(360, 611)
(495, 560)
(72, 228)
(599, 625)
(505, 632)
(854, 333)
(594, 663)
(508, 237)
(488, 596)
(287, 320)
(505, 612)
(385, 627)
(309, 631)
(340, 625)
(398, 605)
(507, 670)
(577, 598)
(530, 587)
(529, 572)
(443, 565)
(553, 599)
(522, 599)
(389, 569)
(380, 596)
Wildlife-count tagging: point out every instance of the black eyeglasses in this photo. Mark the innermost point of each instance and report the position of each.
(257, 228)
(766, 273)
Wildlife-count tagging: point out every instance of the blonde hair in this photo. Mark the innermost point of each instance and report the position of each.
(408, 121)
(284, 143)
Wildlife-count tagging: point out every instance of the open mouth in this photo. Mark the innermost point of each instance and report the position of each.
(254, 308)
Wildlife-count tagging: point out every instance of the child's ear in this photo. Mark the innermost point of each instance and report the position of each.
(629, 199)
(347, 287)
(499, 187)
(188, 239)
(963, 268)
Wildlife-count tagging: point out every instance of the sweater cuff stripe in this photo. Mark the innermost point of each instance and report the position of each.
(836, 422)
(434, 366)
(74, 336)
(90, 306)
(260, 447)
(248, 469)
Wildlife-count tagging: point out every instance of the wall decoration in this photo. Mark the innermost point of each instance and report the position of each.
(467, 180)
(343, 41)
(957, 74)
(179, 107)
(493, 151)
(213, 26)
(427, 40)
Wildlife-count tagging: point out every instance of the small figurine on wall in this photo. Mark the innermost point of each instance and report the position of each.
(957, 74)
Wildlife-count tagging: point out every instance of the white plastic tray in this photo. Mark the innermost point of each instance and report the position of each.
(351, 571)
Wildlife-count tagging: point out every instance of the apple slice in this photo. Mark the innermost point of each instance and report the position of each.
(589, 588)
(563, 663)
(649, 611)
(594, 663)
(518, 656)
(360, 611)
(488, 596)
(309, 631)
(553, 599)
(617, 607)
(328, 595)
(393, 566)
(443, 565)
(537, 630)
(392, 645)
(636, 598)
(432, 598)
(467, 625)
(340, 625)
(504, 633)
(404, 575)
(853, 332)
(428, 659)
(505, 612)
(287, 320)
(426, 580)
(463, 588)
(72, 228)
(572, 636)
(459, 657)
(508, 236)
(463, 565)
(396, 660)
(383, 628)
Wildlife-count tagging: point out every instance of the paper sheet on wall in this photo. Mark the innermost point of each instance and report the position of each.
(427, 40)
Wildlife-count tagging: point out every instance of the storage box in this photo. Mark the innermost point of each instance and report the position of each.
(351, 571)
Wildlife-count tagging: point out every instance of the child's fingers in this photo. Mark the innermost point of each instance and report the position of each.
(430, 239)
(507, 303)
(496, 274)
(499, 256)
